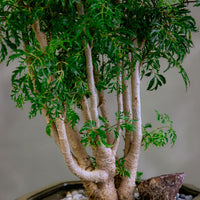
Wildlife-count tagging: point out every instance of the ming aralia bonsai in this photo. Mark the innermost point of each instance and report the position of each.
(72, 54)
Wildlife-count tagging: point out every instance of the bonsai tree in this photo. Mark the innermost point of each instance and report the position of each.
(72, 54)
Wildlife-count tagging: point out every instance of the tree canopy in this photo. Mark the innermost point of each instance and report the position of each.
(109, 27)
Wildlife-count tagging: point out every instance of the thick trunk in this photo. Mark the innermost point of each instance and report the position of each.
(102, 191)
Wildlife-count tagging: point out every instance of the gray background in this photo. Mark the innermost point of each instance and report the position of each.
(29, 159)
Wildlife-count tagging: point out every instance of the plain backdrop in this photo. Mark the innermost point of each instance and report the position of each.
(29, 159)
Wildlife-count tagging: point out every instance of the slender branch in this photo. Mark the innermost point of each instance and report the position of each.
(90, 73)
(132, 157)
(96, 175)
(120, 109)
(42, 39)
(85, 109)
(39, 35)
(104, 156)
(104, 111)
(128, 112)
(91, 85)
(73, 135)
(79, 150)
(54, 132)
(185, 2)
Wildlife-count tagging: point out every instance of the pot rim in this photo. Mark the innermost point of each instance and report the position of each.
(70, 185)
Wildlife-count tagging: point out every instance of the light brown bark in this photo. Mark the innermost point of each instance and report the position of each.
(91, 85)
(54, 132)
(104, 111)
(78, 149)
(128, 184)
(128, 112)
(120, 109)
(85, 109)
(94, 176)
(39, 35)
(105, 159)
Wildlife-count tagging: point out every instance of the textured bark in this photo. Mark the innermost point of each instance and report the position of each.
(79, 150)
(95, 176)
(91, 84)
(105, 158)
(85, 109)
(104, 111)
(127, 111)
(120, 109)
(54, 132)
(90, 72)
(61, 135)
(101, 191)
(39, 35)
(128, 184)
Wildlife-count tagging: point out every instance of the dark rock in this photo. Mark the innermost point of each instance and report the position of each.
(163, 187)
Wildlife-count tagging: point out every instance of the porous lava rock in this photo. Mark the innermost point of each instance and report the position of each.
(164, 187)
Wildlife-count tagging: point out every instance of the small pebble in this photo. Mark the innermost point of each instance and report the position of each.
(81, 195)
(184, 197)
(188, 197)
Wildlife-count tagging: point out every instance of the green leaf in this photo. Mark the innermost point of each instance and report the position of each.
(48, 129)
(148, 125)
(151, 83)
(148, 74)
(162, 78)
(159, 136)
(139, 176)
(106, 144)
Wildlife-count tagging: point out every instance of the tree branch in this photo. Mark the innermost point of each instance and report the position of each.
(73, 135)
(120, 109)
(132, 157)
(78, 149)
(104, 111)
(54, 132)
(90, 73)
(95, 176)
(104, 156)
(91, 85)
(85, 109)
(128, 112)
(40, 36)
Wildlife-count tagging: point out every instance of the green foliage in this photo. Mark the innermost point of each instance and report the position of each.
(92, 135)
(93, 161)
(120, 169)
(159, 136)
(197, 4)
(139, 176)
(56, 77)
(48, 129)
(126, 122)
(169, 39)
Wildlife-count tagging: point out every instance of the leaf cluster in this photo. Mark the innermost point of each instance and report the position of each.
(160, 136)
(91, 135)
(120, 169)
(55, 79)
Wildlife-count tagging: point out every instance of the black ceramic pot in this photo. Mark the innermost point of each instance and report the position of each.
(58, 191)
(53, 192)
